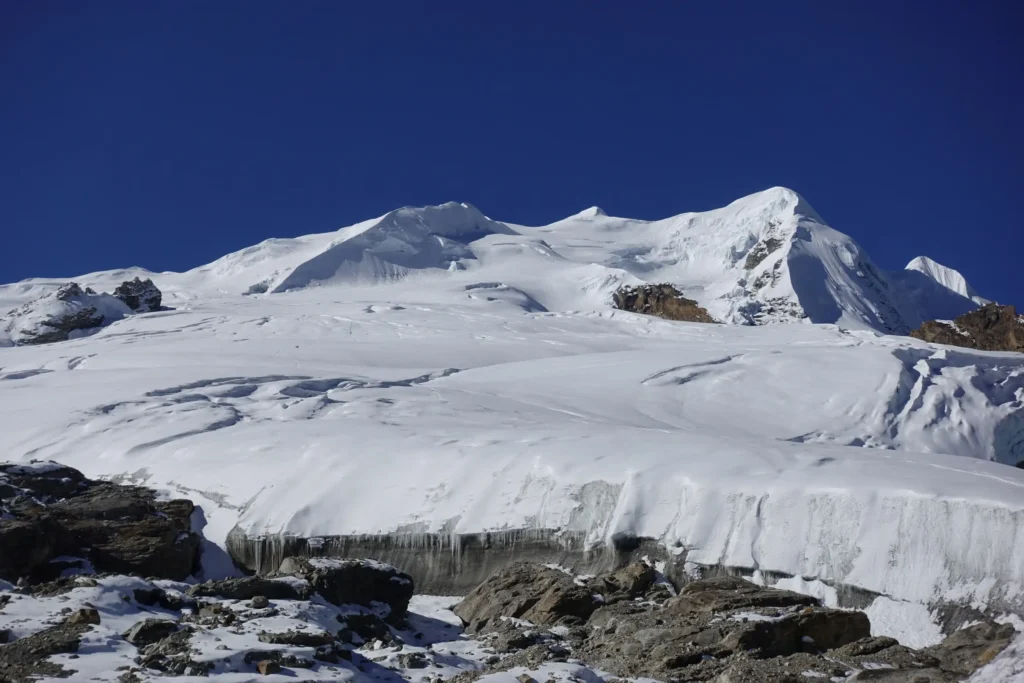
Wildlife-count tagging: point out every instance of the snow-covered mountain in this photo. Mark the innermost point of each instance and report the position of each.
(947, 277)
(764, 258)
(433, 380)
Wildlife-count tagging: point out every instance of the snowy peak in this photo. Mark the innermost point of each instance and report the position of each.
(765, 258)
(400, 242)
(592, 212)
(947, 277)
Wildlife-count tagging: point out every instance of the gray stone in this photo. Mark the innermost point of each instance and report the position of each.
(86, 615)
(527, 591)
(149, 631)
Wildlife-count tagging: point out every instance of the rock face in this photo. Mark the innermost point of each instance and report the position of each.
(989, 328)
(360, 582)
(61, 314)
(48, 511)
(141, 296)
(724, 630)
(664, 301)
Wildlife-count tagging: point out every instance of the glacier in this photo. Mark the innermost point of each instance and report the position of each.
(435, 373)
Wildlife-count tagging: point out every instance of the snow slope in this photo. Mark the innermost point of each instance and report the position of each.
(436, 371)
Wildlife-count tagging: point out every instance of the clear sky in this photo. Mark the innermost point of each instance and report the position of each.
(166, 133)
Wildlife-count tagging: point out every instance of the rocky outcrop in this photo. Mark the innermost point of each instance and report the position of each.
(142, 296)
(60, 315)
(724, 630)
(989, 328)
(360, 582)
(50, 513)
(664, 301)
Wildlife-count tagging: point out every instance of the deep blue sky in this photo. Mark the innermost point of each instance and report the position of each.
(166, 133)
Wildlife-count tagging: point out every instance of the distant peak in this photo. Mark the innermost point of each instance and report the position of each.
(947, 277)
(592, 212)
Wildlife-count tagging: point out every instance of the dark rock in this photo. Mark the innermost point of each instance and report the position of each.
(149, 631)
(761, 251)
(360, 582)
(366, 626)
(249, 587)
(278, 657)
(512, 640)
(413, 660)
(5, 636)
(969, 649)
(297, 638)
(158, 596)
(989, 328)
(54, 511)
(171, 655)
(86, 615)
(664, 301)
(326, 653)
(141, 296)
(527, 591)
(28, 658)
(812, 630)
(259, 602)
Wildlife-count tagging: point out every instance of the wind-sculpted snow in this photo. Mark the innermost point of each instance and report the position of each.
(801, 450)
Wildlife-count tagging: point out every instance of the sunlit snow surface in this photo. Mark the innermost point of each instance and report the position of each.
(492, 387)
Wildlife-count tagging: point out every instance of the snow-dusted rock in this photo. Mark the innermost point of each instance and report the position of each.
(142, 296)
(68, 312)
(664, 301)
(989, 328)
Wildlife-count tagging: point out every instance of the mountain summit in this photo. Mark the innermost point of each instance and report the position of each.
(765, 258)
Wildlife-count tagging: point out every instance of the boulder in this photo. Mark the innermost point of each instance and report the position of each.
(633, 580)
(662, 300)
(83, 617)
(532, 592)
(360, 582)
(149, 631)
(141, 296)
